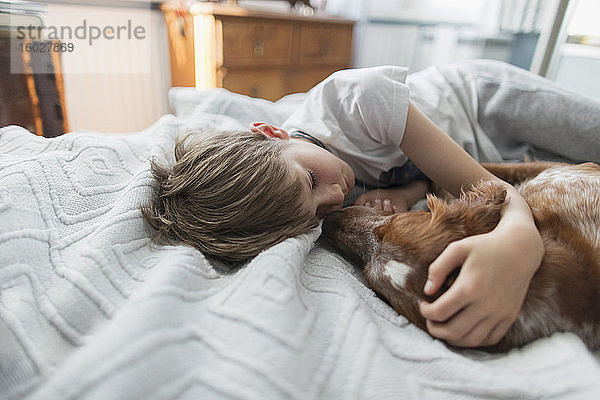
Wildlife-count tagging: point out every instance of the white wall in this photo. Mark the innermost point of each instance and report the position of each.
(470, 12)
(119, 86)
(577, 66)
(578, 69)
(418, 33)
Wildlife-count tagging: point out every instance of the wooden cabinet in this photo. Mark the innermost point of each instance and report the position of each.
(257, 53)
(33, 93)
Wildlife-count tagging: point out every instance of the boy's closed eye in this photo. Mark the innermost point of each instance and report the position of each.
(313, 178)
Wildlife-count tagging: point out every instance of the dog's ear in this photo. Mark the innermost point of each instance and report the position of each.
(435, 204)
(450, 213)
(482, 206)
(486, 193)
(380, 231)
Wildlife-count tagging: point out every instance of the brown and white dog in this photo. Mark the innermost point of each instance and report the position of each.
(396, 250)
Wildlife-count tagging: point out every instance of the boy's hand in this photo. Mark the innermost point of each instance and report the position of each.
(484, 301)
(388, 201)
(394, 199)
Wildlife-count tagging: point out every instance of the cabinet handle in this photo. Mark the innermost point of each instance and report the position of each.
(259, 49)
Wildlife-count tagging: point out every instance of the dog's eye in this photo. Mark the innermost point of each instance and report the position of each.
(313, 178)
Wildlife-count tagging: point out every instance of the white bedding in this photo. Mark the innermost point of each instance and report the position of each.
(91, 309)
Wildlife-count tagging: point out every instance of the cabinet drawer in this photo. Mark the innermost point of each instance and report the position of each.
(266, 84)
(254, 42)
(325, 44)
(17, 110)
(301, 80)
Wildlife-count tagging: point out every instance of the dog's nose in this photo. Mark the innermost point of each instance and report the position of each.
(331, 223)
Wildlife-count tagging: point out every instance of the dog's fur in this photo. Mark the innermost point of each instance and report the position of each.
(396, 250)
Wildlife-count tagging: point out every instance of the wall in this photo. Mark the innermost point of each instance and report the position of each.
(418, 33)
(577, 69)
(128, 90)
(576, 65)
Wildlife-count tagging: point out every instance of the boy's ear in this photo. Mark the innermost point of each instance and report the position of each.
(269, 130)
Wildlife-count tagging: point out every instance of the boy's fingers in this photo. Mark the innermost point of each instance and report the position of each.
(451, 258)
(464, 329)
(497, 333)
(387, 205)
(376, 204)
(474, 336)
(445, 306)
(373, 199)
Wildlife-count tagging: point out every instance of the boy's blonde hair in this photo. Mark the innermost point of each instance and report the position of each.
(230, 194)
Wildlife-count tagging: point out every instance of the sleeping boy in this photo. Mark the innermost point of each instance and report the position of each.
(233, 194)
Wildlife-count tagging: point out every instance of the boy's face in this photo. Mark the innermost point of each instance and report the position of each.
(326, 179)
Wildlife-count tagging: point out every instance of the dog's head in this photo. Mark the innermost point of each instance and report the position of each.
(396, 250)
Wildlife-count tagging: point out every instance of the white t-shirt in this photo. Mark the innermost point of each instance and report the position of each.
(360, 116)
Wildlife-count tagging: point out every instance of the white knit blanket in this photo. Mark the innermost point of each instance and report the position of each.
(90, 308)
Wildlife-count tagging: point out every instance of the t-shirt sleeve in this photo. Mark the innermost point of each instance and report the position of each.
(368, 106)
(380, 103)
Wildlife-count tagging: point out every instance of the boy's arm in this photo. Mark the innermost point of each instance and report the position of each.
(497, 267)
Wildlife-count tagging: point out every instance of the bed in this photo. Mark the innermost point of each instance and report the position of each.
(91, 308)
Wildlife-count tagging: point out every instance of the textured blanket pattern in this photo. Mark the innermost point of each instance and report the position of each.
(90, 308)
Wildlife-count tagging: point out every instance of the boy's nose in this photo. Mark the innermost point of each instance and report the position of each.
(332, 200)
(338, 194)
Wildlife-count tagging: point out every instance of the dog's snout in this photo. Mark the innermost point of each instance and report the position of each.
(332, 222)
(351, 231)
